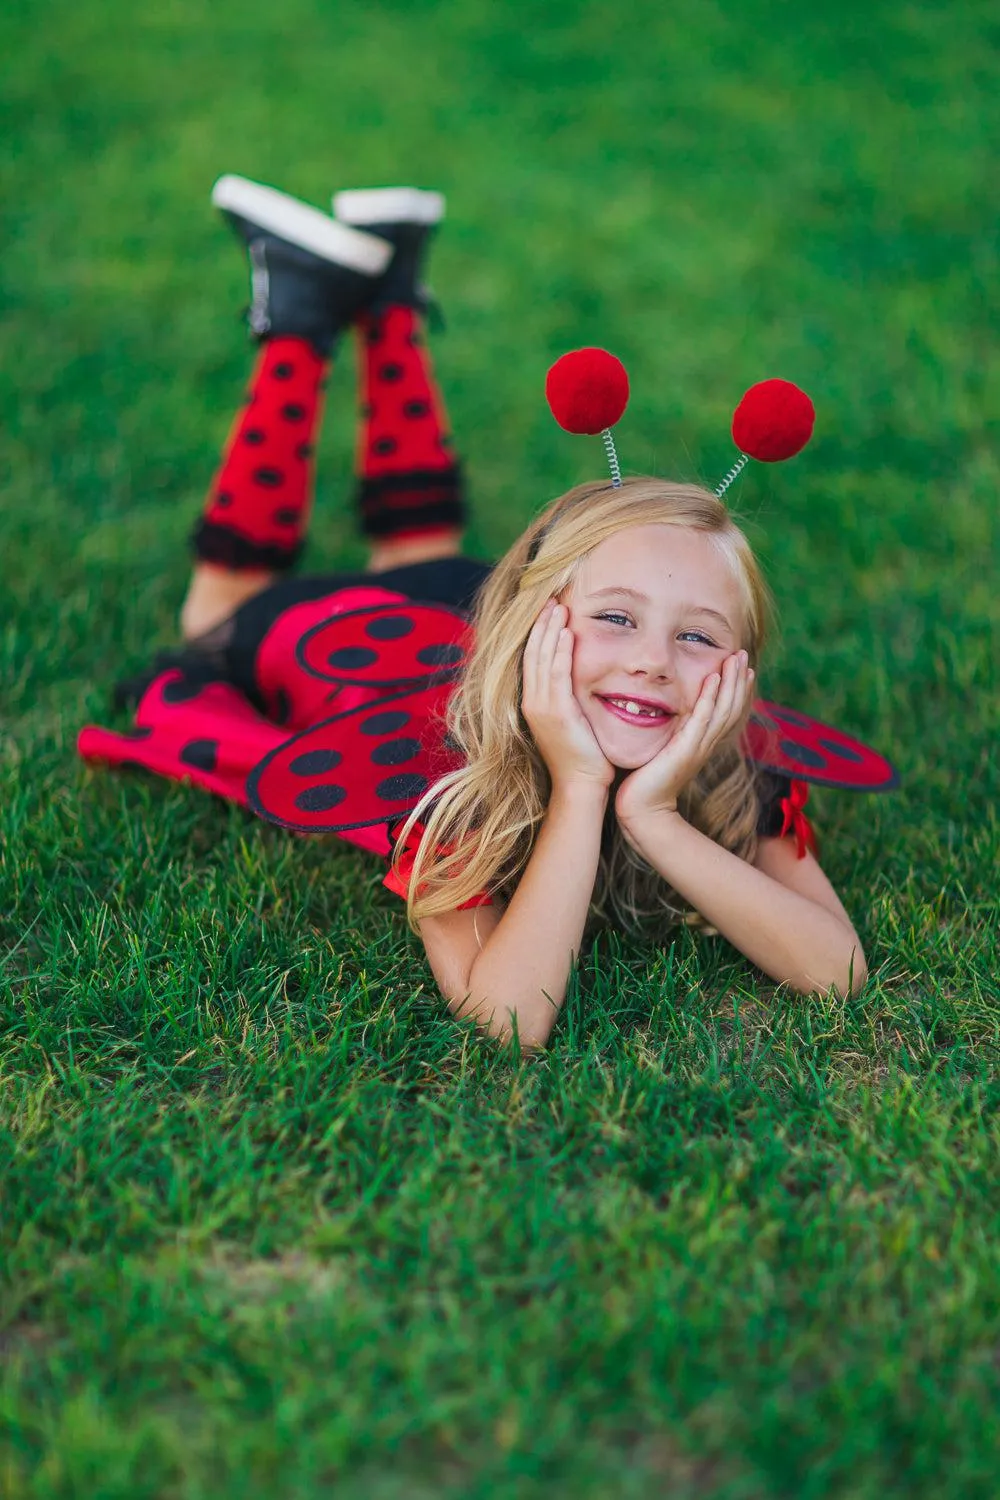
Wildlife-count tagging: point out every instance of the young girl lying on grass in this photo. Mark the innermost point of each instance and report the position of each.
(595, 763)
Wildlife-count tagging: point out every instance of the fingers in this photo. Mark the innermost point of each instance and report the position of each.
(562, 668)
(538, 651)
(728, 695)
(548, 662)
(733, 670)
(719, 704)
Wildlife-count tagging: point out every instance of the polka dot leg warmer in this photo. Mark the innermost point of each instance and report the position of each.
(409, 482)
(258, 506)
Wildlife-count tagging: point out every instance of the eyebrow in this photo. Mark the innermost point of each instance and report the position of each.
(695, 609)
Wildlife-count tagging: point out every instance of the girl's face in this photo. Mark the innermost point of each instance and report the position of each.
(653, 610)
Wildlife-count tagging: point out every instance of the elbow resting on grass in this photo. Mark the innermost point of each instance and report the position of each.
(532, 1016)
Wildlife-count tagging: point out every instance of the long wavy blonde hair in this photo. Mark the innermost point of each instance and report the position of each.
(481, 821)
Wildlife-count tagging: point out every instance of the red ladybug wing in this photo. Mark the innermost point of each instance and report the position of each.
(295, 697)
(784, 740)
(367, 765)
(189, 730)
(387, 645)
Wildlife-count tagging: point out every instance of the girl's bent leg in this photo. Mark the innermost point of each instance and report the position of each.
(400, 553)
(410, 492)
(410, 489)
(214, 593)
(255, 518)
(310, 276)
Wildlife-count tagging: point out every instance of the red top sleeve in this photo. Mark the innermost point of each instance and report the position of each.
(397, 878)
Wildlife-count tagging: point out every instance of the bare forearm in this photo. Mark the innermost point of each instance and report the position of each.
(522, 972)
(792, 938)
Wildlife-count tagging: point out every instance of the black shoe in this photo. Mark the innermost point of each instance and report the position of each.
(310, 276)
(406, 217)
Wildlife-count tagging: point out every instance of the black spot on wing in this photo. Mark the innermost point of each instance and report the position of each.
(398, 788)
(395, 752)
(802, 754)
(387, 722)
(201, 755)
(315, 762)
(320, 798)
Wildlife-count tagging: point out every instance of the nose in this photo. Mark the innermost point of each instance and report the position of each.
(653, 656)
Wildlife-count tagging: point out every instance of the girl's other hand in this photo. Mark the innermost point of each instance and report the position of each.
(656, 786)
(563, 736)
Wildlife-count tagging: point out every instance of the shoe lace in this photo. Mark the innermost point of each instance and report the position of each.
(258, 315)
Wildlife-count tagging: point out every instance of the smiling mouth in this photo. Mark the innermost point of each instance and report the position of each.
(635, 711)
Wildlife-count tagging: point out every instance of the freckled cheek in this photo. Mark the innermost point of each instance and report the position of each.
(590, 663)
(696, 677)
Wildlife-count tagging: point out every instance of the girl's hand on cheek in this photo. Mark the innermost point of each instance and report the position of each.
(557, 723)
(656, 786)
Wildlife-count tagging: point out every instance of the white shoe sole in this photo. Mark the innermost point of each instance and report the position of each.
(300, 224)
(401, 205)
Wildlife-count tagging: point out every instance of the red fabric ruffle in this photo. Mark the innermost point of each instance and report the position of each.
(794, 820)
(401, 868)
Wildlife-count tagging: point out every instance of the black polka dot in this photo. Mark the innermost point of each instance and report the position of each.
(286, 515)
(397, 788)
(440, 656)
(385, 723)
(271, 479)
(352, 657)
(802, 754)
(391, 373)
(395, 752)
(416, 408)
(283, 370)
(304, 450)
(138, 734)
(389, 627)
(384, 446)
(791, 717)
(254, 436)
(292, 411)
(842, 752)
(320, 798)
(282, 710)
(181, 691)
(449, 742)
(203, 755)
(315, 762)
(224, 499)
(374, 335)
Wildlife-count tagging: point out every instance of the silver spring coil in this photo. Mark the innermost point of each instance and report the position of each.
(609, 448)
(737, 469)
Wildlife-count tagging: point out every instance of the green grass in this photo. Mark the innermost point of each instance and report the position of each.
(271, 1223)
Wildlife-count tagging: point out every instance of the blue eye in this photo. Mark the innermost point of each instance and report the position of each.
(702, 639)
(615, 617)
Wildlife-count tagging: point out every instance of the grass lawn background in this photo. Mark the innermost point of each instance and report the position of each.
(271, 1223)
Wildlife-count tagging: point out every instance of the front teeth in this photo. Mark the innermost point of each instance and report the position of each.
(631, 707)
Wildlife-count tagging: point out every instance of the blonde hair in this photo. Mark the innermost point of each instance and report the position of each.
(481, 821)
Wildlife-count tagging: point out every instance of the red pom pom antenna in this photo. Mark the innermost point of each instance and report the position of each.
(773, 421)
(587, 390)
